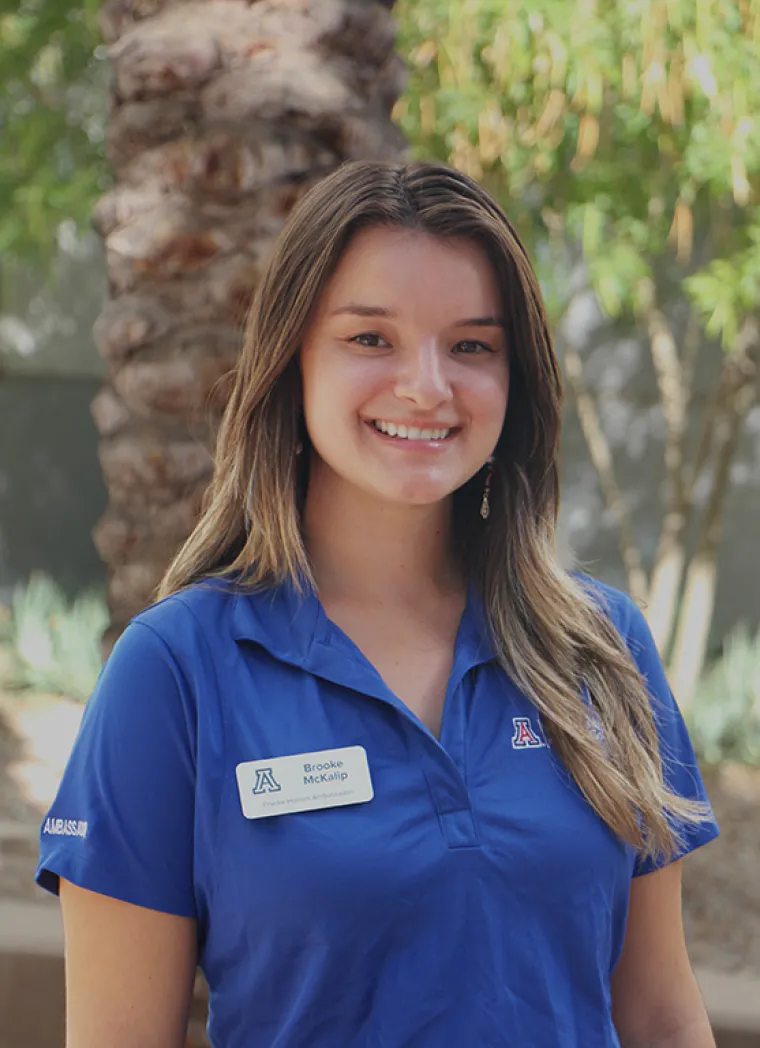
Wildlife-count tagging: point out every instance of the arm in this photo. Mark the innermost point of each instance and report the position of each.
(129, 972)
(656, 1002)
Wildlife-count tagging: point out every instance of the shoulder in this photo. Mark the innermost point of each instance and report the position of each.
(169, 653)
(187, 630)
(625, 615)
(630, 622)
(204, 607)
(215, 613)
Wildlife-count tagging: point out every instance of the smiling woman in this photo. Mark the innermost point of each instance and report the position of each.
(373, 589)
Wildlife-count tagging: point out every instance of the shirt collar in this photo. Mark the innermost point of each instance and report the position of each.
(292, 625)
(281, 619)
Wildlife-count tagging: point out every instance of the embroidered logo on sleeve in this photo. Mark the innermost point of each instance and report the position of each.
(525, 736)
(65, 827)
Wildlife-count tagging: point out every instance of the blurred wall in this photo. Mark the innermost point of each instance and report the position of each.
(51, 490)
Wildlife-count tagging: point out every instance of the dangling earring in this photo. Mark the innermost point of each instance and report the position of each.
(299, 448)
(485, 507)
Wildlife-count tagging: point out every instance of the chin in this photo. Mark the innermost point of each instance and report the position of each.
(419, 496)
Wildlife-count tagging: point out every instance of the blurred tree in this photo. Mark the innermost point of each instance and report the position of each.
(52, 116)
(627, 129)
(223, 113)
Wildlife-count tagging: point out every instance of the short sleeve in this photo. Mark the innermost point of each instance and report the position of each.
(122, 821)
(680, 768)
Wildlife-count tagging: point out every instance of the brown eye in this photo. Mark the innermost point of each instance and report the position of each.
(370, 339)
(470, 346)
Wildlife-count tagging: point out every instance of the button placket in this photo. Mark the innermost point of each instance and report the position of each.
(442, 762)
(445, 771)
(450, 798)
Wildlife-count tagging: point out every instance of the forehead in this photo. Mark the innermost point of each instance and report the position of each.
(398, 268)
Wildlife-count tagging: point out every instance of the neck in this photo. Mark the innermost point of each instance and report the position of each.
(365, 550)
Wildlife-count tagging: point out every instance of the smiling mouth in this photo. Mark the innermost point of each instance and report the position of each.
(401, 432)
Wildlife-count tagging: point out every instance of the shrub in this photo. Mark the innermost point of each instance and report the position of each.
(724, 718)
(55, 645)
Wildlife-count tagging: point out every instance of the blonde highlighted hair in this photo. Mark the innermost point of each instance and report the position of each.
(551, 635)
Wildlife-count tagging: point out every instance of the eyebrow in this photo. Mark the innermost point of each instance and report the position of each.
(358, 310)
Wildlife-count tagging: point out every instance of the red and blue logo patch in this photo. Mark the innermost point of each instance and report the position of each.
(525, 736)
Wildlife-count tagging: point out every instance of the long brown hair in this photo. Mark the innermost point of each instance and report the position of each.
(550, 633)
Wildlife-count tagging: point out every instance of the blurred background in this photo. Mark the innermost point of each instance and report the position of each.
(149, 151)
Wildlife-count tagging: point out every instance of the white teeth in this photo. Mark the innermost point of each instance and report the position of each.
(410, 432)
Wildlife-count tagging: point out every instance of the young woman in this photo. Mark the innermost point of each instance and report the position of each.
(392, 776)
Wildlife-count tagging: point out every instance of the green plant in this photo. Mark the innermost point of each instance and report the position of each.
(52, 113)
(55, 644)
(724, 719)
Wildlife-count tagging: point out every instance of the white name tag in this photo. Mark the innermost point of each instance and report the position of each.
(304, 782)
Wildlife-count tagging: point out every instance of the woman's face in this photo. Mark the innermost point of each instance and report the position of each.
(405, 367)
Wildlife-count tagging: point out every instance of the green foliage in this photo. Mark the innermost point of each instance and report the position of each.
(55, 645)
(628, 125)
(52, 116)
(727, 289)
(724, 719)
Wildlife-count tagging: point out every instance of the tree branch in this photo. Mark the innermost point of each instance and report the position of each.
(692, 341)
(601, 457)
(739, 394)
(667, 570)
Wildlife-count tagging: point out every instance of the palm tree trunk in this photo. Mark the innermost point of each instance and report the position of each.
(223, 113)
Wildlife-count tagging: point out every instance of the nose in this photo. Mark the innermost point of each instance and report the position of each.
(422, 378)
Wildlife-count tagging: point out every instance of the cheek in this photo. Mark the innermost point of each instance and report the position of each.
(340, 391)
(488, 398)
(333, 397)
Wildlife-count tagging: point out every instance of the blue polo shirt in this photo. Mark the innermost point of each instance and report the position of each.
(475, 900)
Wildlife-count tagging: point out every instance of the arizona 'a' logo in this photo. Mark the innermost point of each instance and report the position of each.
(266, 782)
(524, 736)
